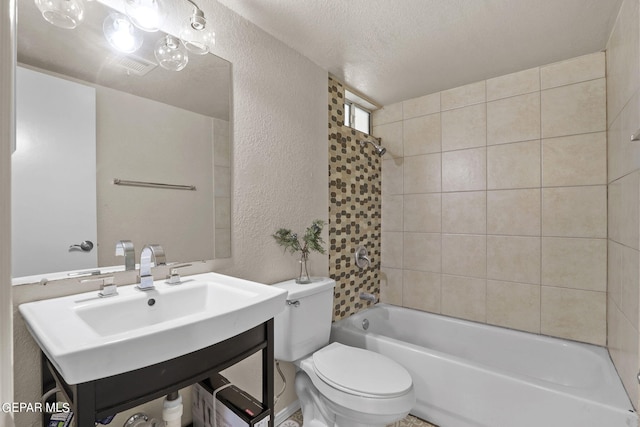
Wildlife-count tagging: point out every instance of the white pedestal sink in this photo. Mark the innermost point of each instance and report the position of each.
(87, 337)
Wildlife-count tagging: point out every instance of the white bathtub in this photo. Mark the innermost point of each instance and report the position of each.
(470, 374)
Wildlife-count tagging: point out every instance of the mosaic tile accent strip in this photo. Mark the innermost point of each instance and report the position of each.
(408, 421)
(355, 209)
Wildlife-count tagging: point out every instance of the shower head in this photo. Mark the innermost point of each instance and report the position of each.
(379, 149)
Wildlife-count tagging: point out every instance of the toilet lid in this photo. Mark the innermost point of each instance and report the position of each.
(362, 372)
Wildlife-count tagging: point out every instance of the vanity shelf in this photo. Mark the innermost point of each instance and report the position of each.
(95, 400)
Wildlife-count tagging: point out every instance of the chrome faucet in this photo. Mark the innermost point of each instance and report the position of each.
(125, 248)
(150, 251)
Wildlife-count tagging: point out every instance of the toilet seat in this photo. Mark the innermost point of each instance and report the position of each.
(361, 372)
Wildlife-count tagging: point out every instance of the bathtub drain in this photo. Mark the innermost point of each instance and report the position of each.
(365, 324)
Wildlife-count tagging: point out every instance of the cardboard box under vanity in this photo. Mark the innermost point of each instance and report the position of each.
(234, 407)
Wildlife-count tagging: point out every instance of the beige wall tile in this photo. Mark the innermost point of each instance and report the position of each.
(630, 210)
(514, 212)
(575, 160)
(422, 135)
(464, 170)
(519, 83)
(391, 249)
(391, 286)
(513, 165)
(574, 263)
(422, 174)
(574, 109)
(630, 280)
(629, 125)
(223, 243)
(422, 213)
(464, 297)
(513, 259)
(615, 219)
(623, 51)
(464, 127)
(623, 344)
(462, 96)
(574, 314)
(465, 212)
(222, 212)
(614, 269)
(387, 114)
(422, 251)
(575, 70)
(616, 148)
(514, 305)
(421, 290)
(392, 212)
(575, 211)
(391, 134)
(421, 106)
(392, 176)
(513, 119)
(464, 255)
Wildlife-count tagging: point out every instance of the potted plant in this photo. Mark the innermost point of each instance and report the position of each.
(311, 241)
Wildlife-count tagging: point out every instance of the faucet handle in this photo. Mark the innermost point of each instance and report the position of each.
(107, 287)
(361, 256)
(174, 277)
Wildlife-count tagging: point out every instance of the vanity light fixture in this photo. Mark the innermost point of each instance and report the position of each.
(65, 14)
(147, 15)
(195, 35)
(171, 55)
(121, 34)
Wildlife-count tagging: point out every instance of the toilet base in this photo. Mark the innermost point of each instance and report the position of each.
(318, 411)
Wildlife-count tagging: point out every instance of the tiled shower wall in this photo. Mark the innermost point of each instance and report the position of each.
(623, 117)
(354, 209)
(495, 201)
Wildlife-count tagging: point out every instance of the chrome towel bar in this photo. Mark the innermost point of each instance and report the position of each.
(118, 181)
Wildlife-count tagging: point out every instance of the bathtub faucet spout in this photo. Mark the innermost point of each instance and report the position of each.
(366, 296)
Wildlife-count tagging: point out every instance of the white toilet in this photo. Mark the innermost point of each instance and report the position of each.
(337, 385)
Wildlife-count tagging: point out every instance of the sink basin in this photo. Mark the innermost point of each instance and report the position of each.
(88, 338)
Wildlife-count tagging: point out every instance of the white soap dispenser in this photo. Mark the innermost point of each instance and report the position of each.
(172, 410)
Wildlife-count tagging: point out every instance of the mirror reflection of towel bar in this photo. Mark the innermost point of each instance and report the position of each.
(118, 181)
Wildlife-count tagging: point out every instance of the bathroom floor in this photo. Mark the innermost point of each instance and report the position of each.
(410, 421)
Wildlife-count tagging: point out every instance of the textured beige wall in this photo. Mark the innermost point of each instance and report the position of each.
(623, 115)
(279, 175)
(495, 201)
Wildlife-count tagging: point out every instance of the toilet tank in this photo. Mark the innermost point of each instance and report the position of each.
(305, 324)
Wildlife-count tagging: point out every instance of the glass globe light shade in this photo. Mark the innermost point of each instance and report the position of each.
(121, 34)
(170, 54)
(195, 35)
(62, 13)
(148, 15)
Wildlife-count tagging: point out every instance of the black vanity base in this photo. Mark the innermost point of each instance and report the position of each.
(98, 399)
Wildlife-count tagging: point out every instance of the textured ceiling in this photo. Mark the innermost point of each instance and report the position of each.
(393, 50)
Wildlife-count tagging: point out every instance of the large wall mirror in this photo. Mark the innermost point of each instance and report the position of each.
(90, 119)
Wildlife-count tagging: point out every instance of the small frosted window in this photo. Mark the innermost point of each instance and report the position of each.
(357, 117)
(361, 119)
(347, 115)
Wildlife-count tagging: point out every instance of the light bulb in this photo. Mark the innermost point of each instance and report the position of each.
(195, 35)
(170, 54)
(62, 13)
(147, 15)
(121, 33)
